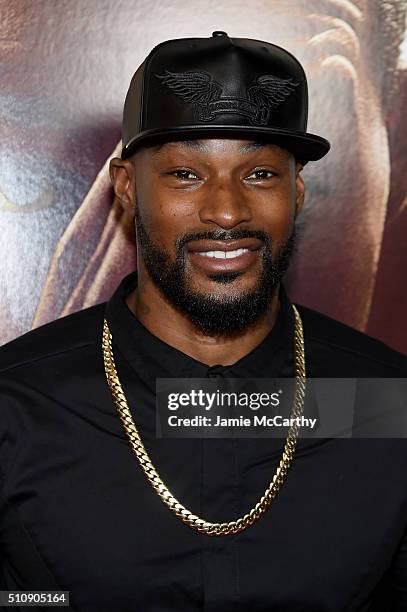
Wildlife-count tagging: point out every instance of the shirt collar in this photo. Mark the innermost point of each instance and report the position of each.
(153, 358)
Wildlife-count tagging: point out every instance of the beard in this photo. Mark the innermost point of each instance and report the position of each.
(214, 314)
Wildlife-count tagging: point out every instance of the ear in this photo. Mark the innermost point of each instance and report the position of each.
(122, 175)
(299, 188)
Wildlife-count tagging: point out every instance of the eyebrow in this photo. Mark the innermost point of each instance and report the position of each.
(254, 146)
(262, 145)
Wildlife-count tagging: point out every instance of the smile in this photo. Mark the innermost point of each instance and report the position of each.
(237, 260)
(223, 254)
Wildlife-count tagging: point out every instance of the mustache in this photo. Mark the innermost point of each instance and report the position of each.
(221, 234)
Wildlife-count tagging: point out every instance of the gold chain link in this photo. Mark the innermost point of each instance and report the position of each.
(193, 521)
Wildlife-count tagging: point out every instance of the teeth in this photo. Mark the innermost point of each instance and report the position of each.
(223, 254)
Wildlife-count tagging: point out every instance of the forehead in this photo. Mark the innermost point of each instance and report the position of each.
(208, 146)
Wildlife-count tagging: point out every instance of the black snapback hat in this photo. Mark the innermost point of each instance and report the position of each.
(220, 87)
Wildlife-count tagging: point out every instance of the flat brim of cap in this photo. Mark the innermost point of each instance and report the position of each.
(304, 146)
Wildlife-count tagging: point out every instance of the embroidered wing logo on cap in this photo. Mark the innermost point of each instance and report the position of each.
(197, 87)
(205, 94)
(271, 91)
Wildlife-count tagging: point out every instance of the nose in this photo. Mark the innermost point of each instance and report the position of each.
(225, 205)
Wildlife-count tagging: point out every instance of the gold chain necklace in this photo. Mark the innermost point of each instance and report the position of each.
(193, 521)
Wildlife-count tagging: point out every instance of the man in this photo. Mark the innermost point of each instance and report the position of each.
(352, 93)
(214, 139)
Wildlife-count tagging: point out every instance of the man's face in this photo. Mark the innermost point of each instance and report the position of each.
(215, 226)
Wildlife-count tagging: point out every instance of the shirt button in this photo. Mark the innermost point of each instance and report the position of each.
(215, 371)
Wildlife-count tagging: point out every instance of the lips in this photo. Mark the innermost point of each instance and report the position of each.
(204, 246)
(224, 256)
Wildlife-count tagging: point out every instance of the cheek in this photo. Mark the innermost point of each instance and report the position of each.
(166, 221)
(162, 204)
(275, 213)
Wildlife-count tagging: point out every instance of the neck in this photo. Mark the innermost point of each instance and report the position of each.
(175, 329)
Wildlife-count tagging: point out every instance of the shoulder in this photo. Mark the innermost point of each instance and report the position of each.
(70, 333)
(355, 350)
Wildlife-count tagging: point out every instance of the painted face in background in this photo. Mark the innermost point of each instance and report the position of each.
(58, 134)
(195, 200)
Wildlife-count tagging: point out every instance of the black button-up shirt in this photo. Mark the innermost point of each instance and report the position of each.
(78, 514)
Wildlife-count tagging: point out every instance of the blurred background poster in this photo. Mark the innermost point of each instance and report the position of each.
(65, 69)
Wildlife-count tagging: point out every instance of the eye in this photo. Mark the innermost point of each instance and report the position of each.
(261, 174)
(184, 175)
